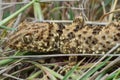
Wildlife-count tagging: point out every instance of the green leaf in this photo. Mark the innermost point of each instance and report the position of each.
(34, 75)
(47, 70)
(110, 77)
(9, 61)
(116, 76)
(6, 28)
(37, 11)
(100, 76)
(71, 13)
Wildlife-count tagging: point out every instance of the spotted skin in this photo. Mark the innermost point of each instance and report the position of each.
(95, 39)
(77, 37)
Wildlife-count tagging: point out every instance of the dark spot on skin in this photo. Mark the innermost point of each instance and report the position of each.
(48, 44)
(115, 39)
(89, 37)
(50, 25)
(108, 48)
(118, 34)
(90, 25)
(94, 42)
(29, 47)
(79, 35)
(91, 40)
(96, 30)
(103, 45)
(45, 40)
(78, 43)
(39, 38)
(87, 41)
(48, 38)
(34, 48)
(67, 29)
(84, 32)
(77, 28)
(107, 42)
(106, 27)
(71, 35)
(61, 26)
(57, 39)
(51, 35)
(59, 32)
(103, 37)
(16, 42)
(84, 38)
(118, 27)
(36, 31)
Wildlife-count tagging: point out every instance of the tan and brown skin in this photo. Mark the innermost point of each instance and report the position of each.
(77, 37)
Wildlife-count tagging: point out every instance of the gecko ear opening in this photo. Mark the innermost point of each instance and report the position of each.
(79, 19)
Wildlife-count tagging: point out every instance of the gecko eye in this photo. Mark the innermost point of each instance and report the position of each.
(27, 38)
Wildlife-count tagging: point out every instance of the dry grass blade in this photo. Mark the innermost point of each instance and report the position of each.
(55, 55)
(70, 21)
(112, 9)
(13, 77)
(117, 10)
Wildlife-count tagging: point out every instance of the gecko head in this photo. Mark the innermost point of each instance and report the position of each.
(35, 37)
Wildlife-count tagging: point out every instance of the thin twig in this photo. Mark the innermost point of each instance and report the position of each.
(70, 21)
(8, 75)
(117, 10)
(39, 1)
(56, 55)
(8, 68)
(3, 8)
(18, 18)
(104, 10)
(112, 9)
